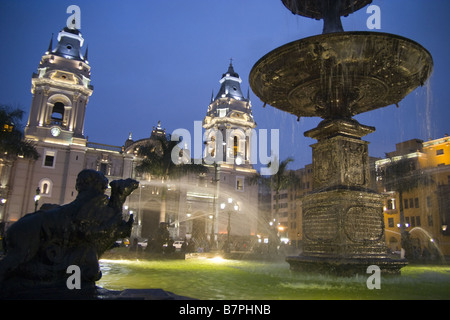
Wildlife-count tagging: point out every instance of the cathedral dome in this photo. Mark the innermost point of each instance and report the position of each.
(230, 85)
(69, 44)
(229, 103)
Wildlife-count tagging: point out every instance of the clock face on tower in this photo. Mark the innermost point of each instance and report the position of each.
(55, 131)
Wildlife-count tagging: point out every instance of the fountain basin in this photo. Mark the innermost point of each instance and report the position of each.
(314, 9)
(210, 279)
(345, 267)
(340, 74)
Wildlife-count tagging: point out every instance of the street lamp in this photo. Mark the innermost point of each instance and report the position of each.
(36, 198)
(3, 218)
(230, 206)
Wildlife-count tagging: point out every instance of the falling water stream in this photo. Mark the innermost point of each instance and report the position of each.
(428, 239)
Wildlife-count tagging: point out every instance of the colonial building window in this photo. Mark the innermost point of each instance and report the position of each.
(104, 168)
(391, 204)
(240, 183)
(430, 220)
(49, 159)
(391, 222)
(213, 144)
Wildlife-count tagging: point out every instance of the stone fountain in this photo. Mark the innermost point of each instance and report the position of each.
(336, 76)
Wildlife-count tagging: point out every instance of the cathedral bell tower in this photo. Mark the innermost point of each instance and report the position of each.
(61, 89)
(229, 123)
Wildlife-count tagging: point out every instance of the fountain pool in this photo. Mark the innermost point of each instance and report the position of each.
(220, 279)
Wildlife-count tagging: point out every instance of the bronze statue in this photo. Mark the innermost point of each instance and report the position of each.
(42, 245)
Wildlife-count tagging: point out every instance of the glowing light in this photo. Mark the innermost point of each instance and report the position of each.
(217, 259)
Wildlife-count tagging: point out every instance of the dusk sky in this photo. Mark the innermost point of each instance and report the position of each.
(162, 59)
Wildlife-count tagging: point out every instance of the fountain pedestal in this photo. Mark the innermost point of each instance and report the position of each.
(343, 226)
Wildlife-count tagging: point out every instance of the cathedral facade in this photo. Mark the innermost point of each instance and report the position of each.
(205, 207)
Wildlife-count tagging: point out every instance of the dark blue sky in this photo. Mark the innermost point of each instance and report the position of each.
(161, 59)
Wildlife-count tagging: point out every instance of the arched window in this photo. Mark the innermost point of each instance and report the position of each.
(58, 111)
(235, 145)
(45, 186)
(213, 146)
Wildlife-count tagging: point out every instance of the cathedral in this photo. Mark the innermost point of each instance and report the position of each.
(207, 207)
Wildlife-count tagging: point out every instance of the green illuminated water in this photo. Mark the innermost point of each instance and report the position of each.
(249, 280)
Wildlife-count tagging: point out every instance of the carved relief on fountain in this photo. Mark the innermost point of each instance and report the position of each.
(343, 223)
(340, 161)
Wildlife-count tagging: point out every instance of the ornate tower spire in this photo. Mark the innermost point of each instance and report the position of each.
(230, 85)
(86, 55)
(229, 122)
(61, 89)
(50, 46)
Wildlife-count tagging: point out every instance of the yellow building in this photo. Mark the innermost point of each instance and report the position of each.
(425, 203)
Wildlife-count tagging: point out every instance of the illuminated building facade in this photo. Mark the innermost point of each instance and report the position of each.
(61, 89)
(425, 204)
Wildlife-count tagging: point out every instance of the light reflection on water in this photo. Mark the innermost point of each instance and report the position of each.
(232, 279)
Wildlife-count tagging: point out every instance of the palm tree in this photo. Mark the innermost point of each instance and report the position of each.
(12, 143)
(281, 180)
(12, 146)
(157, 162)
